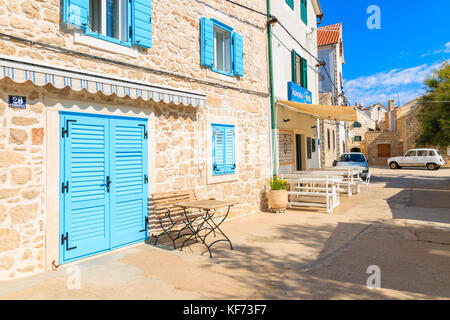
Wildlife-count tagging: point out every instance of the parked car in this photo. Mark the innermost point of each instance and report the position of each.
(354, 159)
(430, 158)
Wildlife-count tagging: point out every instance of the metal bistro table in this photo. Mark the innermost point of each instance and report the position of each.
(207, 224)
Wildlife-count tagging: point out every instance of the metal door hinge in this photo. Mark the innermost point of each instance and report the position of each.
(65, 239)
(145, 178)
(130, 31)
(65, 131)
(65, 186)
(145, 224)
(145, 131)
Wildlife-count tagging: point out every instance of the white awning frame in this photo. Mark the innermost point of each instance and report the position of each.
(61, 77)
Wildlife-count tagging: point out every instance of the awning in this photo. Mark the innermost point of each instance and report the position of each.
(41, 75)
(338, 113)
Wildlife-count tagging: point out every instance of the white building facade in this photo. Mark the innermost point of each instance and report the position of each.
(295, 76)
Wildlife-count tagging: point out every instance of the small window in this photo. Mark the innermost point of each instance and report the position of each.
(356, 124)
(299, 70)
(410, 154)
(222, 48)
(313, 145)
(422, 153)
(223, 149)
(334, 140)
(431, 153)
(358, 138)
(328, 139)
(109, 18)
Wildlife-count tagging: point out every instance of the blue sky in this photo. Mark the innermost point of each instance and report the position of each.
(393, 61)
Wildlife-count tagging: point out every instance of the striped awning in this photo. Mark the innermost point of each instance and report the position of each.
(41, 75)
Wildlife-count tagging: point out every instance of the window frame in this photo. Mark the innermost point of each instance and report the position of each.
(226, 28)
(128, 42)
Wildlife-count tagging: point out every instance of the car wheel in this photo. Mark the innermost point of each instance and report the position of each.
(431, 166)
(393, 165)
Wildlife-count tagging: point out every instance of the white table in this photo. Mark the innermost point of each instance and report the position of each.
(314, 186)
(347, 172)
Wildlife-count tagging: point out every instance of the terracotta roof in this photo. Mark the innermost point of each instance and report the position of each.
(329, 34)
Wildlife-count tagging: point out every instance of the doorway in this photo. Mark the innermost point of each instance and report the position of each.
(298, 152)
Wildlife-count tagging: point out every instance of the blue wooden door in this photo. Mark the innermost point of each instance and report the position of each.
(86, 201)
(104, 183)
(129, 191)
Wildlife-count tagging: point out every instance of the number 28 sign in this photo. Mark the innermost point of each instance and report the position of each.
(17, 102)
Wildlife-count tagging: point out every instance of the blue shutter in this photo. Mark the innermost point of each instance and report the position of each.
(238, 52)
(218, 149)
(304, 11)
(85, 160)
(76, 12)
(304, 70)
(207, 42)
(129, 188)
(230, 155)
(142, 23)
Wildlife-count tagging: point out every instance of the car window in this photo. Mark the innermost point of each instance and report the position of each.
(410, 154)
(431, 153)
(438, 152)
(352, 158)
(422, 153)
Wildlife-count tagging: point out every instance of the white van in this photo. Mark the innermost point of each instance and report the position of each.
(430, 158)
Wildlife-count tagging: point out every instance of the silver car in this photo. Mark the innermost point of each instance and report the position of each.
(430, 158)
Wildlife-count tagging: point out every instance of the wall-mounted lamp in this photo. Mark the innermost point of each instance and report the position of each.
(313, 127)
(321, 64)
(286, 120)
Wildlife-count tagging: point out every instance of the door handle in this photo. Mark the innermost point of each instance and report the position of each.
(108, 183)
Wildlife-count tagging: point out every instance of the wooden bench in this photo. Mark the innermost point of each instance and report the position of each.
(169, 218)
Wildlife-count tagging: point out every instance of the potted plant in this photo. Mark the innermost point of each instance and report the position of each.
(278, 197)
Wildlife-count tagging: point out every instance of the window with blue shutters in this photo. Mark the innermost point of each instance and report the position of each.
(224, 149)
(222, 49)
(299, 69)
(125, 22)
(304, 11)
(290, 3)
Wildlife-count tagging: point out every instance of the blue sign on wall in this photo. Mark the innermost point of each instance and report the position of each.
(17, 102)
(299, 94)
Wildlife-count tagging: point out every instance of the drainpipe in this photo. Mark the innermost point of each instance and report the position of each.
(272, 98)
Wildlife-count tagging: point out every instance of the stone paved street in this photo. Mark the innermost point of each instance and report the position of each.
(402, 226)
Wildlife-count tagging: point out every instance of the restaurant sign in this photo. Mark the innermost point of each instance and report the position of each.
(298, 94)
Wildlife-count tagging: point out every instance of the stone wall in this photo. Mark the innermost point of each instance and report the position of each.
(180, 137)
(387, 137)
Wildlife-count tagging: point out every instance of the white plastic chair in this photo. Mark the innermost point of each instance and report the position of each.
(367, 182)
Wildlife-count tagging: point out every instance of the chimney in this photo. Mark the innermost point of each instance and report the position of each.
(391, 105)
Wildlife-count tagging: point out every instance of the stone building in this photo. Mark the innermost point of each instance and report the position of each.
(398, 134)
(357, 131)
(102, 105)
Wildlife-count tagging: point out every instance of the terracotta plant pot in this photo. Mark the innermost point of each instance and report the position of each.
(278, 199)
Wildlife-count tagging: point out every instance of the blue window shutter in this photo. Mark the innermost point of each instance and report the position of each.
(142, 23)
(304, 71)
(238, 52)
(218, 149)
(76, 12)
(304, 11)
(207, 42)
(230, 155)
(294, 65)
